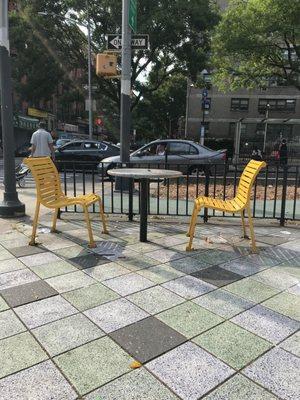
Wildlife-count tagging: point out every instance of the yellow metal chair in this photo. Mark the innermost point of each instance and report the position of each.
(239, 204)
(50, 195)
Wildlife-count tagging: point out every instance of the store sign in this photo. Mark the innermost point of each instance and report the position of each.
(34, 112)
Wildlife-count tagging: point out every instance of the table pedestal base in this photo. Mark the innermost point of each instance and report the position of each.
(143, 209)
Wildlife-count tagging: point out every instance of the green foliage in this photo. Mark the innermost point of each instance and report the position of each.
(257, 40)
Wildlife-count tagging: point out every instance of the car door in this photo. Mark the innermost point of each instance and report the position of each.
(152, 156)
(181, 155)
(91, 152)
(71, 151)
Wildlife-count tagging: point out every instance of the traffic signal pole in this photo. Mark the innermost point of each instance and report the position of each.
(10, 206)
(125, 120)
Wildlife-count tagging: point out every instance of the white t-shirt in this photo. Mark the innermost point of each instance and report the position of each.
(41, 140)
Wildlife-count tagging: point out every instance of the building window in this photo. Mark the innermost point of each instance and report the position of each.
(277, 105)
(239, 104)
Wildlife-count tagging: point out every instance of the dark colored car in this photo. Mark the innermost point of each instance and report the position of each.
(84, 153)
(23, 150)
(185, 155)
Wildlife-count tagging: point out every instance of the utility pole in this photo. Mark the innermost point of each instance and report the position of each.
(125, 84)
(266, 126)
(89, 72)
(10, 206)
(125, 118)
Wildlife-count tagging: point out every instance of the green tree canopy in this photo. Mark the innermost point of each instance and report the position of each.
(257, 40)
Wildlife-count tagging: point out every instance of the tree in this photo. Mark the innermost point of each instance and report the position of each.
(179, 39)
(44, 50)
(158, 113)
(257, 40)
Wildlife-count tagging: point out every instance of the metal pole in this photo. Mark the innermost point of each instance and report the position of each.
(266, 127)
(125, 84)
(10, 206)
(89, 72)
(187, 110)
(125, 118)
(202, 136)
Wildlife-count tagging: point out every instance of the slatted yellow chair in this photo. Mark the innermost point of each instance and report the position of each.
(239, 204)
(50, 195)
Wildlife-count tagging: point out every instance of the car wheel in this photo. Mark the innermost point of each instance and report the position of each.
(196, 169)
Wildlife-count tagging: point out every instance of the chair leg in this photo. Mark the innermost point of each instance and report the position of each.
(92, 243)
(192, 229)
(53, 229)
(102, 216)
(192, 218)
(35, 224)
(254, 248)
(244, 225)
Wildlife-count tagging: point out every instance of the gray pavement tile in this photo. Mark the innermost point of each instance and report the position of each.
(19, 352)
(223, 303)
(189, 371)
(5, 255)
(66, 334)
(189, 287)
(127, 284)
(217, 276)
(44, 311)
(136, 261)
(272, 240)
(71, 281)
(266, 323)
(10, 324)
(71, 252)
(292, 344)
(26, 250)
(295, 290)
(160, 273)
(41, 382)
(17, 278)
(239, 388)
(115, 315)
(17, 242)
(155, 300)
(57, 243)
(90, 296)
(188, 265)
(39, 259)
(215, 257)
(137, 385)
(147, 339)
(88, 261)
(27, 293)
(278, 371)
(3, 305)
(280, 253)
(55, 268)
(164, 255)
(11, 265)
(94, 364)
(243, 266)
(106, 271)
(276, 278)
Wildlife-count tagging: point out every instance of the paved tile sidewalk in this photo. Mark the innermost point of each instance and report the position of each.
(216, 324)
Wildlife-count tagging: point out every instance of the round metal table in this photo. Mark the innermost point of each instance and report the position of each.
(144, 175)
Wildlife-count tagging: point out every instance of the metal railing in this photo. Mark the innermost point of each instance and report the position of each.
(275, 193)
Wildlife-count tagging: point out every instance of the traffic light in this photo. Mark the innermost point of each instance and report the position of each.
(106, 65)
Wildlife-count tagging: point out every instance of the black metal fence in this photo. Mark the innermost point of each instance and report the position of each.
(275, 193)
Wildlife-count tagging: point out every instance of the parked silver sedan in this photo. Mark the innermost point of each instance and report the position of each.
(183, 155)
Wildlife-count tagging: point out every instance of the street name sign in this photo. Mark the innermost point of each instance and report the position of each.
(138, 42)
(133, 15)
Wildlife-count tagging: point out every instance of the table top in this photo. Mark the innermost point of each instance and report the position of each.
(143, 173)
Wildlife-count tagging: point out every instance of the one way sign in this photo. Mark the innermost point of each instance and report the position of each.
(138, 42)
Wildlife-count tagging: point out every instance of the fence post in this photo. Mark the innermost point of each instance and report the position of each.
(130, 203)
(283, 199)
(206, 190)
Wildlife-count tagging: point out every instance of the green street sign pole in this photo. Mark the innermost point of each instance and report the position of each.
(133, 15)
